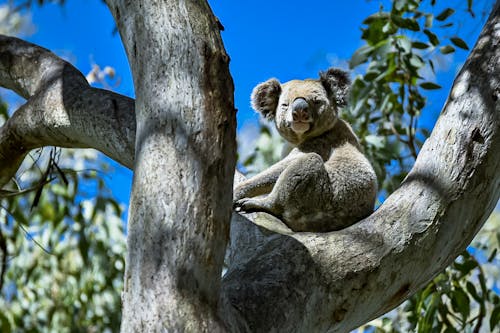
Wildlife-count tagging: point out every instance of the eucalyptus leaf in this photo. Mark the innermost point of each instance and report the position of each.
(495, 319)
(432, 37)
(459, 43)
(445, 14)
(419, 45)
(447, 49)
(429, 86)
(460, 302)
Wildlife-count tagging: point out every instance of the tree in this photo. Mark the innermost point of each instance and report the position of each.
(179, 220)
(61, 236)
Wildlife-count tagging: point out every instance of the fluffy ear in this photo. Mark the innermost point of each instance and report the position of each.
(337, 84)
(265, 98)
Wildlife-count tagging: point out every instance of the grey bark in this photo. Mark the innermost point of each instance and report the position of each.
(59, 110)
(277, 280)
(337, 281)
(180, 205)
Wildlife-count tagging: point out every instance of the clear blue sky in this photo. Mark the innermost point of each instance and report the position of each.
(283, 39)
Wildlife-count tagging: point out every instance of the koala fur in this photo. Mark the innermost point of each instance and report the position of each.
(325, 183)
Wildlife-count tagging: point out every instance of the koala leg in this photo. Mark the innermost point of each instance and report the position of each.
(263, 182)
(302, 196)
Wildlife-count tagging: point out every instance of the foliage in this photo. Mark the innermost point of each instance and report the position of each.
(399, 63)
(63, 252)
(61, 238)
(401, 47)
(386, 102)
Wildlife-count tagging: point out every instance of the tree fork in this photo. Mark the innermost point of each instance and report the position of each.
(277, 279)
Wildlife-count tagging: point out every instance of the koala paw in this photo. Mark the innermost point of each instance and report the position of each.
(248, 205)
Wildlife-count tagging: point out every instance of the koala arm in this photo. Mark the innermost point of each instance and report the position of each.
(263, 182)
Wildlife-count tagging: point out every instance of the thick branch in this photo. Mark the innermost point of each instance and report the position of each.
(280, 280)
(337, 281)
(61, 109)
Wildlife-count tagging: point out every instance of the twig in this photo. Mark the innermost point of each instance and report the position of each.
(26, 231)
(3, 248)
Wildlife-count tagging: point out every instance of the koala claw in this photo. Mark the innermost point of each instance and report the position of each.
(247, 205)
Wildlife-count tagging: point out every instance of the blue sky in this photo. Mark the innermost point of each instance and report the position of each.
(292, 39)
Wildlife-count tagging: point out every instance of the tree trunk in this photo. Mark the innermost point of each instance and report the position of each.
(181, 198)
(183, 160)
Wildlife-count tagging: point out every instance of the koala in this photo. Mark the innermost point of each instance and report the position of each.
(325, 183)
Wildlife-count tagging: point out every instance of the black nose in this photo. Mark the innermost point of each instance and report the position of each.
(299, 110)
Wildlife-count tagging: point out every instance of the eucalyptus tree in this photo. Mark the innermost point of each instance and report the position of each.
(179, 138)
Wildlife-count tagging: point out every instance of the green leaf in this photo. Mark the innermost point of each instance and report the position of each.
(265, 130)
(432, 37)
(450, 329)
(371, 75)
(425, 322)
(405, 44)
(445, 14)
(5, 325)
(495, 318)
(405, 23)
(431, 63)
(374, 17)
(447, 25)
(466, 267)
(446, 49)
(472, 291)
(469, 4)
(419, 45)
(389, 28)
(416, 61)
(459, 43)
(399, 4)
(460, 302)
(429, 86)
(428, 20)
(360, 56)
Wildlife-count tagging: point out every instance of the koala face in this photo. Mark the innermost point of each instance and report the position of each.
(303, 108)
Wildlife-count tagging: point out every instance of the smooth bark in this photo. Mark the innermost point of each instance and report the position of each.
(277, 280)
(180, 205)
(61, 109)
(337, 281)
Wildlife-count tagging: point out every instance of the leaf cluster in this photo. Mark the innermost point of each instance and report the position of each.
(61, 245)
(398, 61)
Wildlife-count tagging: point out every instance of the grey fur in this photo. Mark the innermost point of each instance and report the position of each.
(325, 183)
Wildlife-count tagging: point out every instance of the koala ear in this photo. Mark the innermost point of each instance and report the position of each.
(265, 98)
(337, 85)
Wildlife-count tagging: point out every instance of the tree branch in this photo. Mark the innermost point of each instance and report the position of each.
(284, 281)
(336, 281)
(61, 109)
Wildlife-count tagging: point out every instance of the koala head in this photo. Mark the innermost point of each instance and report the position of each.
(303, 109)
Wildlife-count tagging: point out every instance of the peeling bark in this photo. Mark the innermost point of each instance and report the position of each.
(277, 280)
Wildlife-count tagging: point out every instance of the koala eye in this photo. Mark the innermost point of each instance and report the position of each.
(317, 101)
(284, 105)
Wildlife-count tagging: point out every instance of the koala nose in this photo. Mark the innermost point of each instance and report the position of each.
(299, 110)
